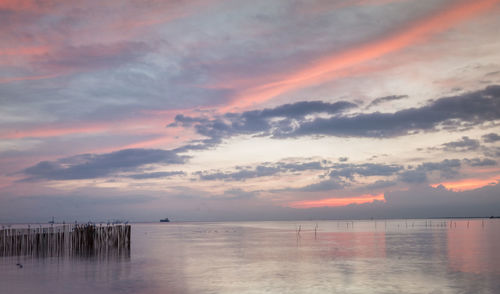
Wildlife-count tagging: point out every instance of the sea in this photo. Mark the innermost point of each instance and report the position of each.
(341, 256)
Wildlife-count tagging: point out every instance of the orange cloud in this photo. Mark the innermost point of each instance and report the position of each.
(313, 7)
(168, 137)
(468, 184)
(53, 132)
(149, 123)
(153, 124)
(323, 68)
(24, 51)
(19, 5)
(331, 202)
(28, 78)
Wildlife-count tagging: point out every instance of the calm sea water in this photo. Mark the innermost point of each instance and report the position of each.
(394, 256)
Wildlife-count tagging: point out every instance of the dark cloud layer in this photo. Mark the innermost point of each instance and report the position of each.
(416, 202)
(471, 108)
(91, 166)
(429, 202)
(294, 120)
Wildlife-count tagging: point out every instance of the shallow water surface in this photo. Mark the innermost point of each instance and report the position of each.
(393, 256)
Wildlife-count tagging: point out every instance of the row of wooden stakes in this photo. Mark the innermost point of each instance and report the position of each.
(83, 240)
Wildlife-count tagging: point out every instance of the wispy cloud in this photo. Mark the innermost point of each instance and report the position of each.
(92, 57)
(322, 69)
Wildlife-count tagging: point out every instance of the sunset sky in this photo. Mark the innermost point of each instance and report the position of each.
(249, 110)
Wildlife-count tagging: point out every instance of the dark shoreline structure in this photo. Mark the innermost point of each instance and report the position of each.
(65, 240)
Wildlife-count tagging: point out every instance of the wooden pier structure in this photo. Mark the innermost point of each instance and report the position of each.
(64, 240)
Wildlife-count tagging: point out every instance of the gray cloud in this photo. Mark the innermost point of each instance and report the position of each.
(413, 176)
(465, 144)
(429, 202)
(480, 162)
(493, 73)
(326, 185)
(260, 121)
(235, 194)
(380, 184)
(386, 99)
(186, 121)
(82, 205)
(259, 171)
(471, 108)
(447, 168)
(445, 165)
(491, 138)
(290, 120)
(338, 173)
(155, 175)
(262, 170)
(348, 171)
(491, 151)
(255, 122)
(416, 202)
(90, 166)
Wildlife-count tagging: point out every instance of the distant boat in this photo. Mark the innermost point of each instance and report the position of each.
(165, 220)
(52, 221)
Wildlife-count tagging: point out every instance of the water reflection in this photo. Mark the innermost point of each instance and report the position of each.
(354, 244)
(473, 246)
(403, 256)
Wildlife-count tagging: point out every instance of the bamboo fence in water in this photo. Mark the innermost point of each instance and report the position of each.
(85, 240)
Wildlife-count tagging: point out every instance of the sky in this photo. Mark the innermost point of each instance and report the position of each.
(214, 110)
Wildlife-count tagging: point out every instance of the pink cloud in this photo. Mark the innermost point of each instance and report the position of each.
(333, 202)
(329, 66)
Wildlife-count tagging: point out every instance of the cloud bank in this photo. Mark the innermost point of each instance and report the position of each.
(302, 119)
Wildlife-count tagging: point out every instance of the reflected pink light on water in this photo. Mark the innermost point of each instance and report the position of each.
(471, 246)
(356, 244)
